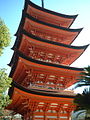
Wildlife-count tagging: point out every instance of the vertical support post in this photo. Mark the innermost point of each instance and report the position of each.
(68, 115)
(45, 115)
(32, 115)
(58, 115)
(42, 3)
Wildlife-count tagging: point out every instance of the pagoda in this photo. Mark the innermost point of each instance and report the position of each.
(40, 66)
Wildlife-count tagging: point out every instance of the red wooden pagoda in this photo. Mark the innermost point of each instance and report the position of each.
(40, 66)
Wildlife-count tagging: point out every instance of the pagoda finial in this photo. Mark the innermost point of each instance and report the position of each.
(42, 3)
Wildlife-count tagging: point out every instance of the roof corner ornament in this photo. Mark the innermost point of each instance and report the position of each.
(42, 3)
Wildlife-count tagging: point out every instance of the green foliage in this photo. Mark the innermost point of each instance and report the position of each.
(5, 82)
(4, 36)
(83, 102)
(84, 79)
(4, 115)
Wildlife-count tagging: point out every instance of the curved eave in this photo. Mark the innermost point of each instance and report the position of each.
(18, 55)
(20, 95)
(36, 92)
(25, 15)
(68, 17)
(18, 40)
(12, 60)
(51, 25)
(52, 42)
(28, 2)
(48, 64)
(85, 47)
(81, 49)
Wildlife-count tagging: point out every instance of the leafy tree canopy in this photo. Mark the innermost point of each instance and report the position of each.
(84, 79)
(4, 36)
(83, 102)
(5, 82)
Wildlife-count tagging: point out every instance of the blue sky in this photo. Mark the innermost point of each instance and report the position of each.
(11, 11)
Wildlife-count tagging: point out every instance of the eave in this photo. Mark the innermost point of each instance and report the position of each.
(45, 40)
(71, 52)
(41, 92)
(18, 54)
(49, 11)
(21, 64)
(69, 19)
(69, 35)
(21, 98)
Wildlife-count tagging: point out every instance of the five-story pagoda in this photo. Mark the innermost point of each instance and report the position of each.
(40, 66)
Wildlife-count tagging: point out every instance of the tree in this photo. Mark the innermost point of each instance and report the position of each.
(83, 102)
(4, 36)
(84, 79)
(5, 81)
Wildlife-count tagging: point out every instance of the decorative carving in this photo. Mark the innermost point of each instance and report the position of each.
(39, 53)
(39, 79)
(37, 107)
